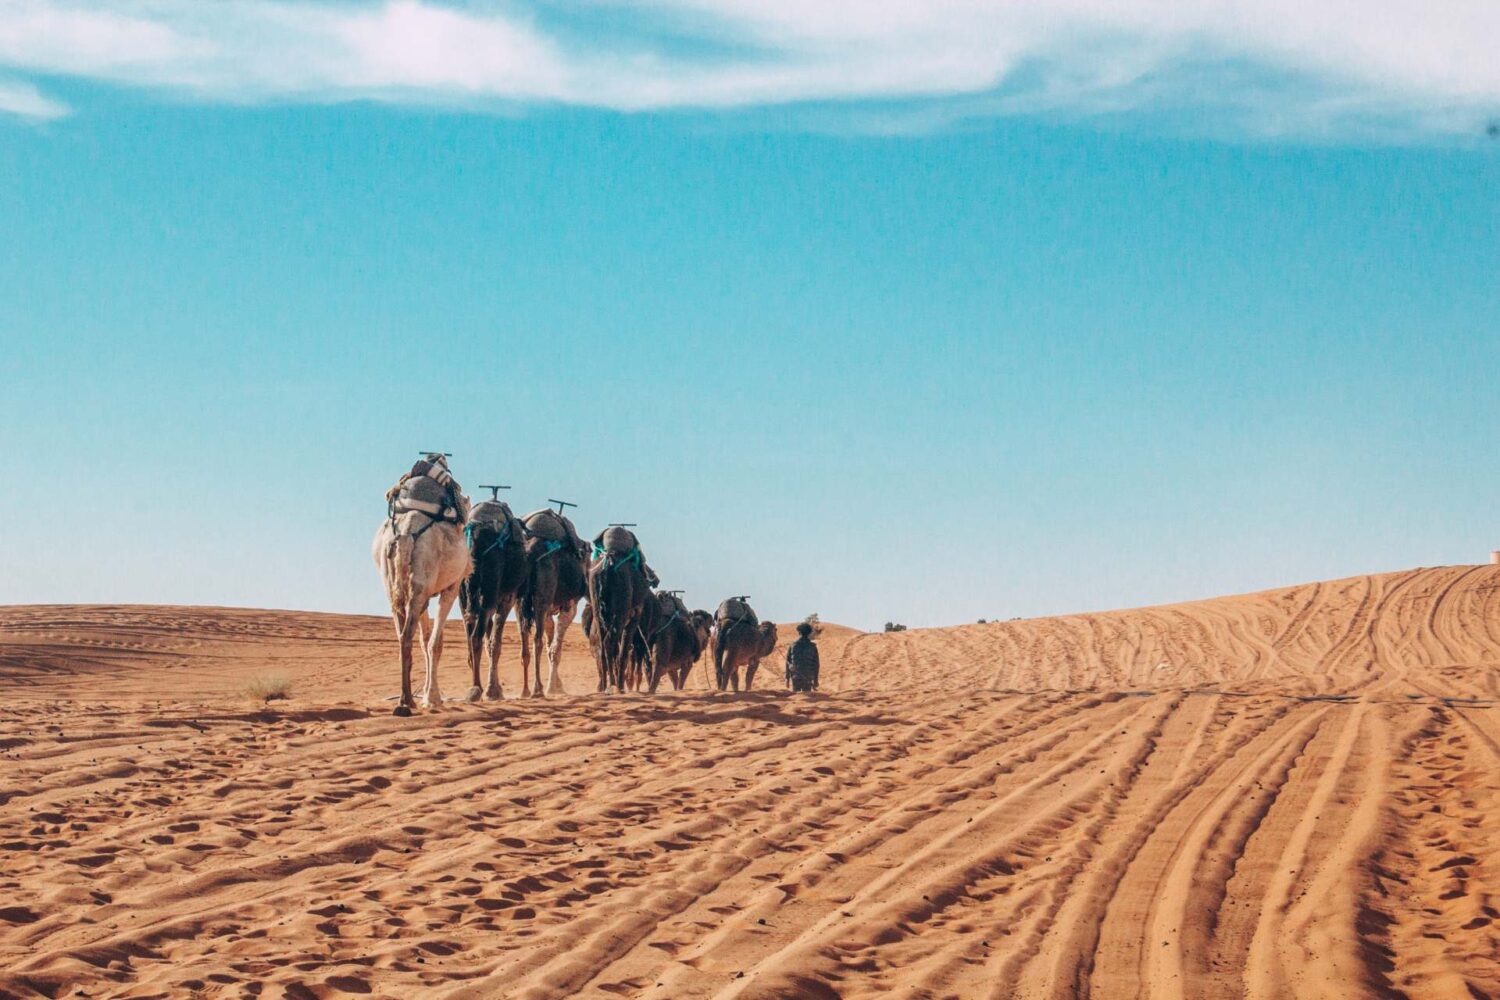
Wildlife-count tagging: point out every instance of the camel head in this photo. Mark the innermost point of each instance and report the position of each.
(766, 635)
(703, 624)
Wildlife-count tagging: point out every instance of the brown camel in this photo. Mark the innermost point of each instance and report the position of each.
(497, 546)
(618, 591)
(672, 638)
(555, 582)
(739, 639)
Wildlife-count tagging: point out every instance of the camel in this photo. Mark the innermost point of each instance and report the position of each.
(671, 639)
(420, 552)
(497, 547)
(739, 639)
(555, 582)
(638, 652)
(636, 656)
(703, 629)
(618, 590)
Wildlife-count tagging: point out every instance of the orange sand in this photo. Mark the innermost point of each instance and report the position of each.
(1292, 793)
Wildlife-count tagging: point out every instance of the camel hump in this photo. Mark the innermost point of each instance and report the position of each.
(495, 512)
(616, 541)
(547, 524)
(671, 604)
(736, 610)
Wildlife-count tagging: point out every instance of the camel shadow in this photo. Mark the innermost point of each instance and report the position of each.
(201, 721)
(770, 707)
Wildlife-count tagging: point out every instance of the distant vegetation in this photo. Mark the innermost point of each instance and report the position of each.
(275, 687)
(894, 627)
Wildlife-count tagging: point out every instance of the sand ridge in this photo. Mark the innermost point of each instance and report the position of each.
(1276, 794)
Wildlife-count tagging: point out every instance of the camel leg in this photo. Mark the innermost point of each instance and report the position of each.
(554, 649)
(617, 664)
(600, 660)
(539, 640)
(719, 677)
(621, 662)
(623, 672)
(606, 664)
(640, 666)
(528, 628)
(406, 622)
(497, 632)
(432, 696)
(653, 670)
(476, 624)
(429, 686)
(606, 668)
(750, 669)
(646, 670)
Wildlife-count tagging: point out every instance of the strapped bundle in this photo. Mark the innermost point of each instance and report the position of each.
(547, 524)
(736, 609)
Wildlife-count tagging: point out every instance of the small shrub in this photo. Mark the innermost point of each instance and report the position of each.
(274, 687)
(894, 627)
(816, 623)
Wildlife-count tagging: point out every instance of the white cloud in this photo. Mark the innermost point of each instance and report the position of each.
(25, 100)
(1299, 66)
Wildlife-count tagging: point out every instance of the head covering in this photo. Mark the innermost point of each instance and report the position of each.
(803, 628)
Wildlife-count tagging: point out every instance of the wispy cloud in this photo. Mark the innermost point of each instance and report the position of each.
(1281, 66)
(25, 100)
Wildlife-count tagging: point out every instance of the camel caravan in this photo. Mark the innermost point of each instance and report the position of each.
(435, 544)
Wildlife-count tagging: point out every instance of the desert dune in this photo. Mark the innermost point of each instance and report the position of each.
(1288, 793)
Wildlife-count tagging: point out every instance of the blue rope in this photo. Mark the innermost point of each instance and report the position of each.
(500, 539)
(634, 556)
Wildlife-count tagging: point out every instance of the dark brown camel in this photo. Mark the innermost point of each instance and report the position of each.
(556, 580)
(637, 656)
(739, 639)
(673, 640)
(618, 591)
(497, 546)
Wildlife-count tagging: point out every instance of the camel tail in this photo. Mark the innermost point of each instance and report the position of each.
(398, 570)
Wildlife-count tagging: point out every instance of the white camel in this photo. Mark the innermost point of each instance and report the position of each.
(421, 557)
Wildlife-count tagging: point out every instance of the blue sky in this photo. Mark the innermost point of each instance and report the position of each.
(878, 353)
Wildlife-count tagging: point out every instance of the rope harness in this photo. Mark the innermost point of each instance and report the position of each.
(553, 545)
(665, 625)
(730, 623)
(610, 561)
(500, 539)
(441, 517)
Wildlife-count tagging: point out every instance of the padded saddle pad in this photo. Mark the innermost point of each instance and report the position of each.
(494, 512)
(734, 609)
(547, 524)
(427, 495)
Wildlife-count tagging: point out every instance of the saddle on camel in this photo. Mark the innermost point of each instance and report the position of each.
(619, 543)
(547, 532)
(735, 610)
(429, 488)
